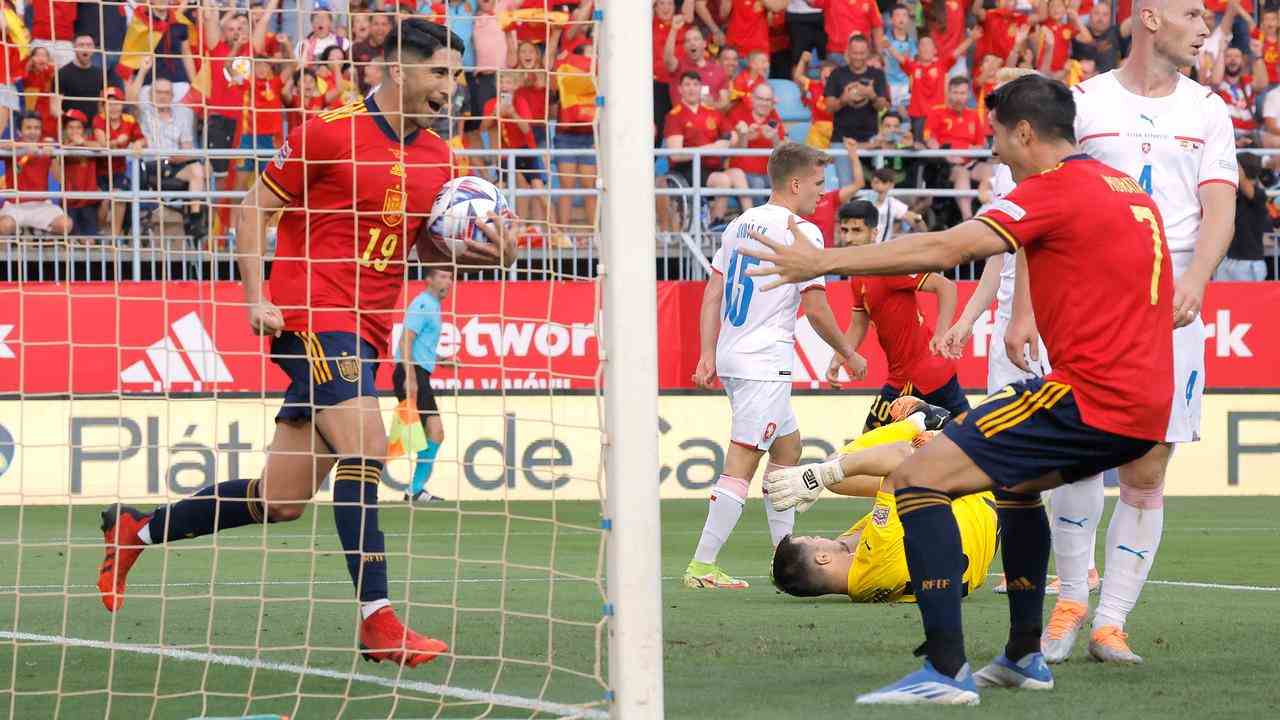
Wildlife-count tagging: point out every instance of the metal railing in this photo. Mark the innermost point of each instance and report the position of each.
(684, 240)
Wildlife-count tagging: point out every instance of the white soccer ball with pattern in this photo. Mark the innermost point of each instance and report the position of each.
(462, 204)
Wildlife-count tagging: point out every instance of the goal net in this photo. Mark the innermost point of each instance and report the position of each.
(129, 374)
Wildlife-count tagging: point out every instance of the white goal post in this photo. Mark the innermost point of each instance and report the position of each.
(629, 355)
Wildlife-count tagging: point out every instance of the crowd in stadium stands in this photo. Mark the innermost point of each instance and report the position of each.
(854, 74)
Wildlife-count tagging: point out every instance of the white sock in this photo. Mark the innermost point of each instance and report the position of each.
(780, 523)
(369, 608)
(145, 534)
(1074, 514)
(722, 515)
(1138, 531)
(1093, 545)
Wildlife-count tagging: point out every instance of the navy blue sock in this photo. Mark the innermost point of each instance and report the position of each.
(230, 504)
(1024, 549)
(355, 513)
(936, 563)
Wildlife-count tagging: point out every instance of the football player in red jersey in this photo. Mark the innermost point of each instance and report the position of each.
(915, 366)
(336, 281)
(1104, 305)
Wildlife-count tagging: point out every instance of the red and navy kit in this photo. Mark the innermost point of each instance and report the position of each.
(890, 303)
(1102, 290)
(356, 196)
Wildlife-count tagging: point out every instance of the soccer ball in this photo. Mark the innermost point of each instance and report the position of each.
(239, 70)
(461, 204)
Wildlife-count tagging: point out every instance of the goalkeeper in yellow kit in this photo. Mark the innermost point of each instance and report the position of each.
(868, 562)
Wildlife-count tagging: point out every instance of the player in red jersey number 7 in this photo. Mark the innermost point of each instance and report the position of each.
(355, 185)
(1104, 304)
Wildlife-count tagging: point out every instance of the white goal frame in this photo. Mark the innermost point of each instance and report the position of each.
(629, 359)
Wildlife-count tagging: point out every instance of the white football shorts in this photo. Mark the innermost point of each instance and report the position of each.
(1188, 383)
(761, 411)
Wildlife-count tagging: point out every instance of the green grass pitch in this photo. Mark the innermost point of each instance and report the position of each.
(481, 578)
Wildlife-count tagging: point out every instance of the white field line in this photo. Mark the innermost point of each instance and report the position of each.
(97, 539)
(6, 589)
(500, 699)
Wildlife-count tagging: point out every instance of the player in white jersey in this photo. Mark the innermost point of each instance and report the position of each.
(748, 340)
(1174, 136)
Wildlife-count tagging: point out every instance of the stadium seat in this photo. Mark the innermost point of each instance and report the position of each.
(798, 131)
(787, 101)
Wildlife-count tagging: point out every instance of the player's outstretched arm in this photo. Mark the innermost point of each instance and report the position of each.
(959, 333)
(709, 330)
(258, 204)
(917, 252)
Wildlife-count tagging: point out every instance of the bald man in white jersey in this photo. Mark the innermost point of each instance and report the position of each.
(1174, 136)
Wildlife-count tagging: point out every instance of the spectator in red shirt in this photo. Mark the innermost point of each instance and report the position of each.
(302, 97)
(845, 18)
(262, 125)
(815, 99)
(927, 72)
(1267, 43)
(53, 27)
(1055, 37)
(532, 89)
(38, 92)
(730, 61)
(824, 214)
(715, 83)
(1237, 88)
(666, 24)
(756, 74)
(512, 118)
(947, 24)
(956, 126)
(27, 168)
(692, 124)
(79, 174)
(227, 49)
(115, 129)
(748, 29)
(999, 27)
(757, 125)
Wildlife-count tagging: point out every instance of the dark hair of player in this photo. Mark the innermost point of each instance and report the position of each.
(792, 569)
(789, 158)
(1044, 103)
(26, 115)
(855, 209)
(858, 37)
(690, 75)
(957, 80)
(421, 39)
(885, 174)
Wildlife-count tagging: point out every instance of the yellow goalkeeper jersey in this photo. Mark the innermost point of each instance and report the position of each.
(879, 570)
